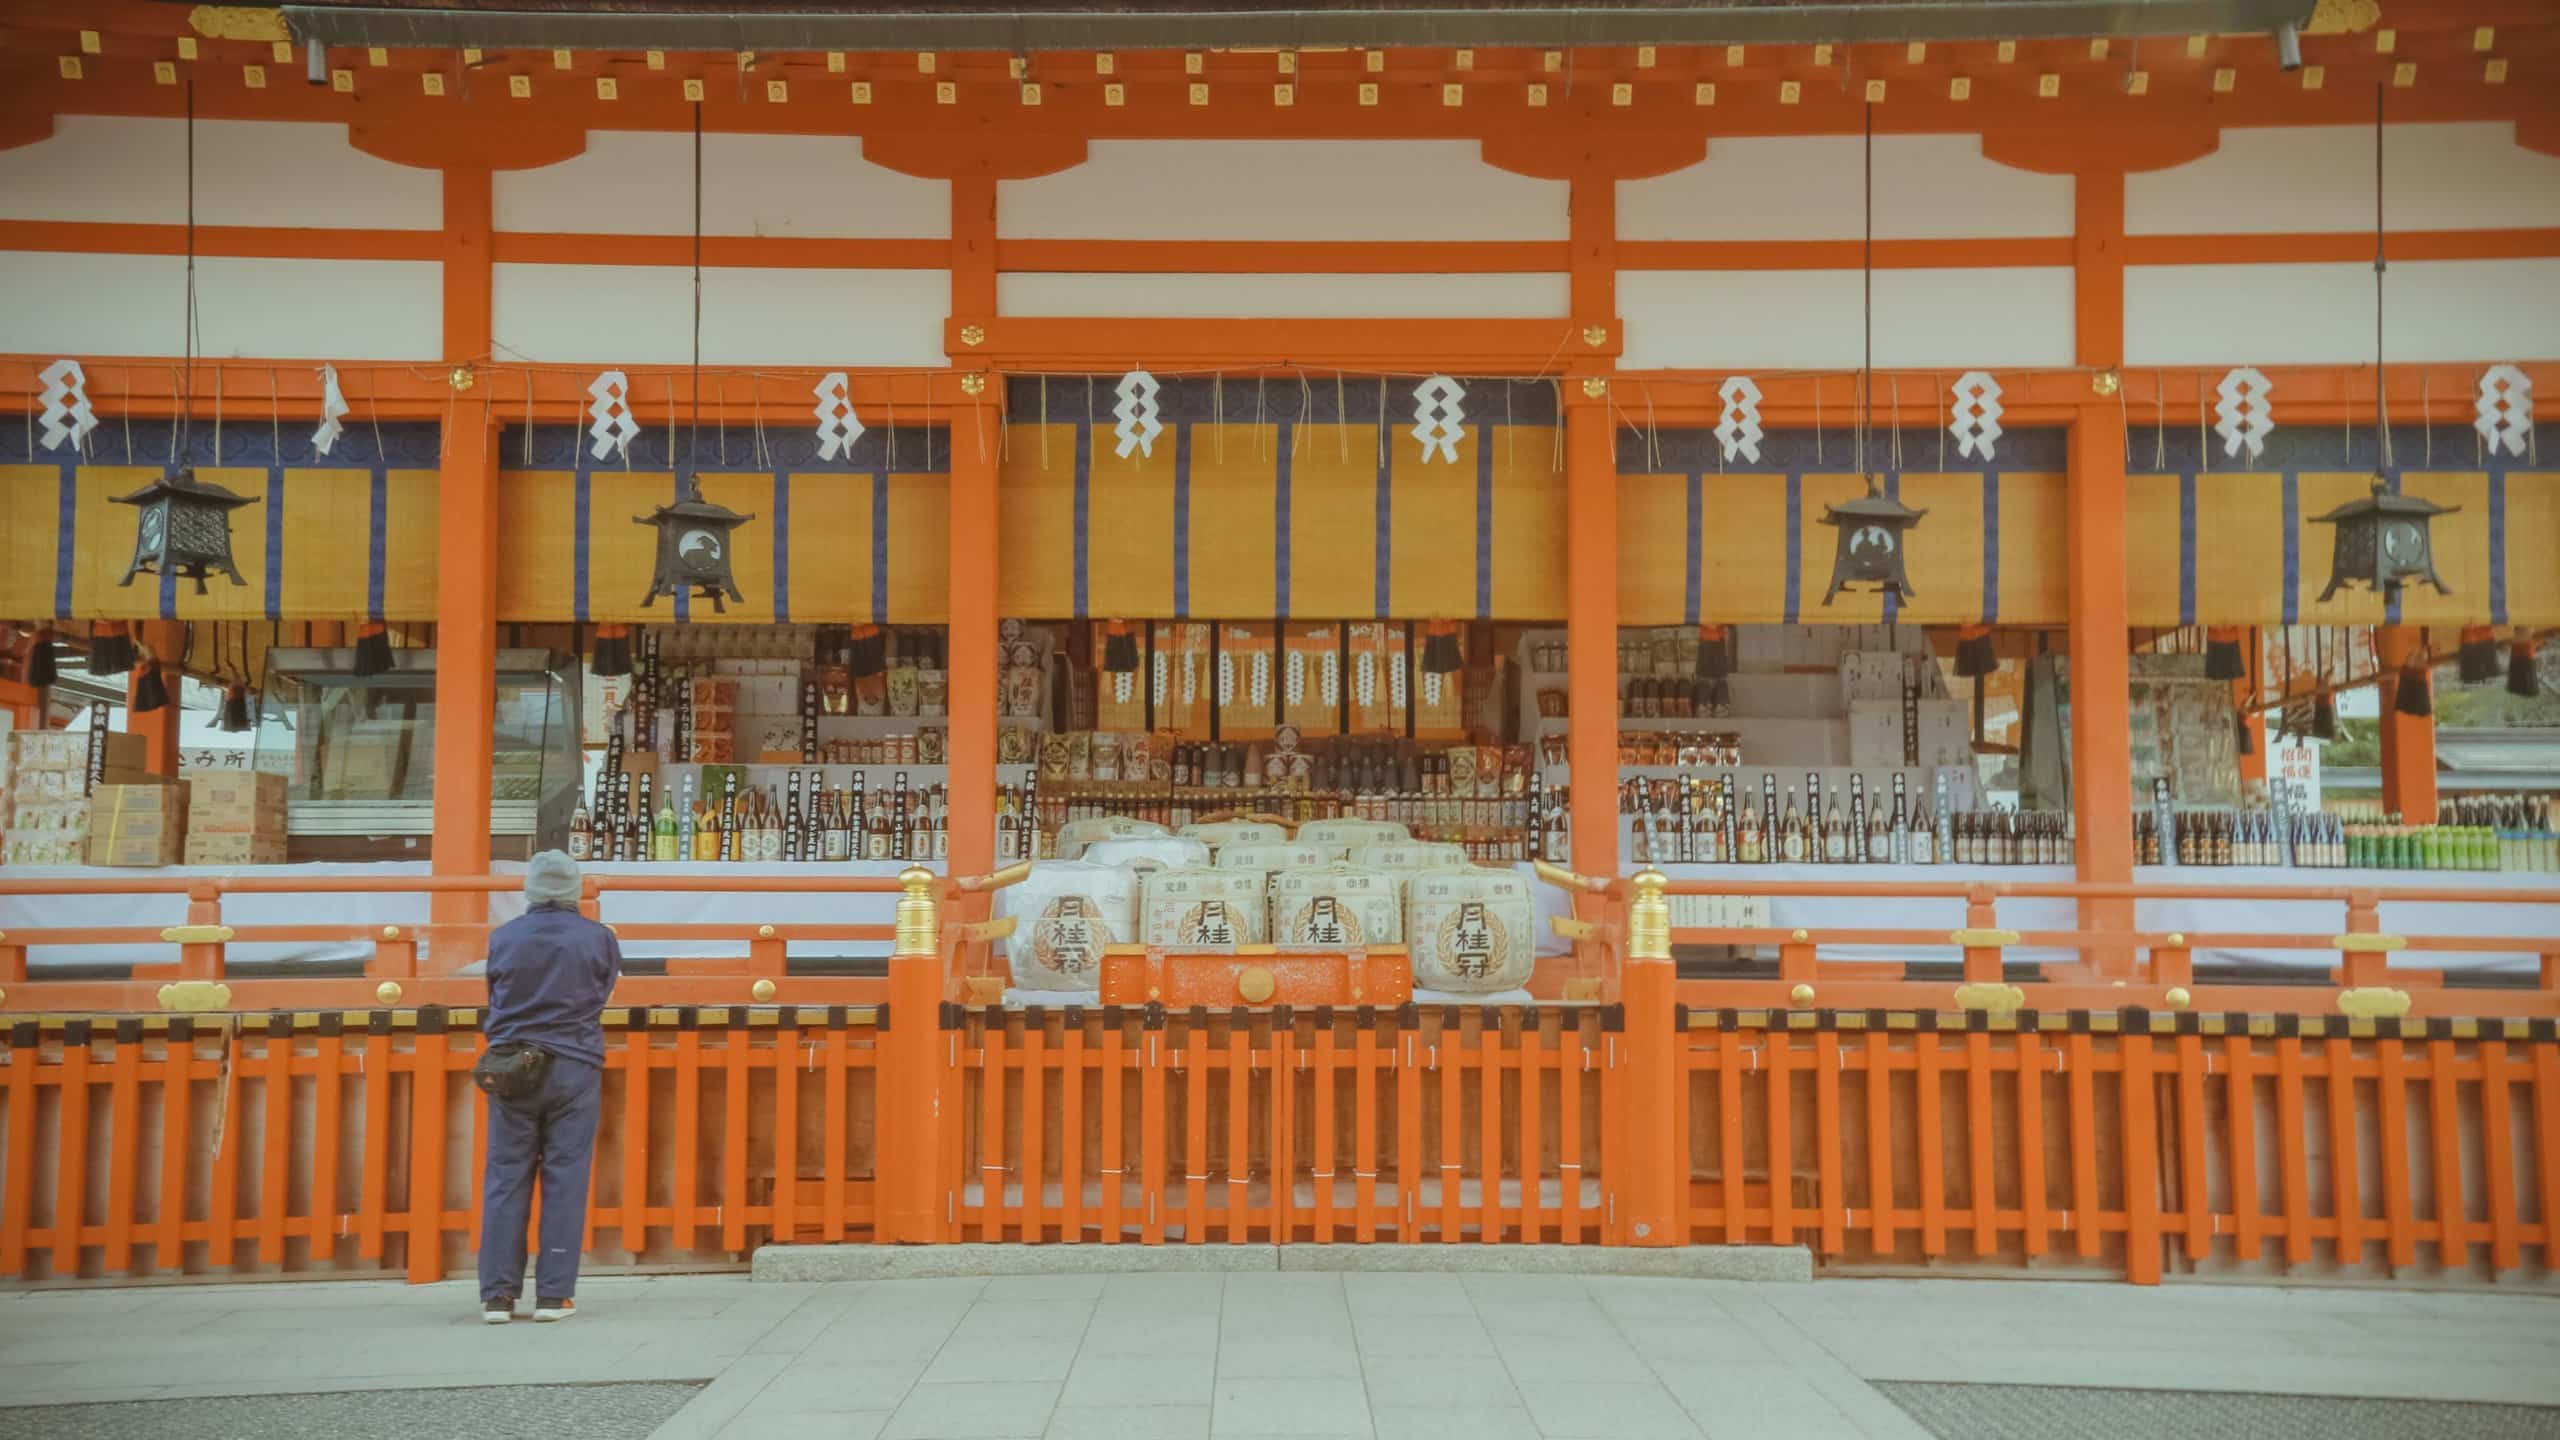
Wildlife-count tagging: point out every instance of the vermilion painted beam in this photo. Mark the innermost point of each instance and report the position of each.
(1591, 628)
(1239, 346)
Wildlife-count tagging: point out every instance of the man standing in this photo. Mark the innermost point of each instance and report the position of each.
(550, 972)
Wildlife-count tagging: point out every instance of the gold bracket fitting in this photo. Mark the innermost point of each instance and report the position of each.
(195, 996)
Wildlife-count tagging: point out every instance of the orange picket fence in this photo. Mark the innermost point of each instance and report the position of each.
(2110, 1113)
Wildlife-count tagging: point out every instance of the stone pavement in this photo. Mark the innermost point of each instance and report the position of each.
(1483, 1357)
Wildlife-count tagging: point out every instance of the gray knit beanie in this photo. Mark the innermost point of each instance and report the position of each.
(552, 879)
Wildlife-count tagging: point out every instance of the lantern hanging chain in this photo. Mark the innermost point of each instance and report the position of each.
(187, 378)
(2381, 403)
(1867, 299)
(692, 489)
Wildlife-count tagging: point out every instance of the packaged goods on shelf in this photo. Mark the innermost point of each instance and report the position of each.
(234, 849)
(1468, 930)
(1218, 834)
(1275, 855)
(237, 803)
(1197, 909)
(1352, 833)
(1075, 835)
(1412, 855)
(142, 824)
(1142, 853)
(1334, 906)
(1066, 912)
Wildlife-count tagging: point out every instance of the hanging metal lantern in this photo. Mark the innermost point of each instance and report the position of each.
(2383, 542)
(1871, 533)
(693, 548)
(185, 528)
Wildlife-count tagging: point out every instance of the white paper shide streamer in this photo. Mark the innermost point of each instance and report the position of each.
(2242, 416)
(838, 426)
(2505, 411)
(1739, 429)
(67, 416)
(333, 409)
(1136, 412)
(1976, 425)
(1438, 418)
(614, 427)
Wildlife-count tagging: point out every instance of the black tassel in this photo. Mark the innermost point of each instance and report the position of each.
(869, 652)
(2222, 655)
(2478, 657)
(1715, 654)
(2413, 695)
(613, 651)
(1976, 654)
(2246, 741)
(40, 661)
(1440, 651)
(235, 710)
(110, 648)
(2524, 674)
(373, 649)
(1119, 649)
(2324, 716)
(150, 692)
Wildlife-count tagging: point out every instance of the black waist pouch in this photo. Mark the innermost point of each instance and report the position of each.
(511, 1072)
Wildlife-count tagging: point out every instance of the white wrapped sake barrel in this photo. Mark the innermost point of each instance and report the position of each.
(1335, 907)
(1203, 909)
(1142, 853)
(1264, 855)
(1410, 855)
(1077, 834)
(1221, 833)
(1067, 911)
(1468, 930)
(1352, 834)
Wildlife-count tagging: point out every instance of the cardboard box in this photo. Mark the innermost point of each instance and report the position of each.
(161, 849)
(163, 797)
(203, 849)
(236, 790)
(1871, 675)
(1875, 733)
(1946, 732)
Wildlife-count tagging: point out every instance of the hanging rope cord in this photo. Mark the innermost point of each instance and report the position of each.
(1867, 302)
(693, 441)
(187, 377)
(2381, 403)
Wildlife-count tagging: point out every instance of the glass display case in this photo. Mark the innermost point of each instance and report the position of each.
(360, 751)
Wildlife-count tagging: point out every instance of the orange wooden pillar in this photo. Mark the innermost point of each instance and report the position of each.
(1591, 622)
(2100, 630)
(2408, 741)
(466, 572)
(167, 640)
(915, 1102)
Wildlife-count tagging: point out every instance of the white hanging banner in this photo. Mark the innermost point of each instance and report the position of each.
(2242, 417)
(2505, 411)
(1738, 431)
(1136, 412)
(333, 409)
(1438, 419)
(614, 428)
(67, 416)
(1976, 425)
(838, 426)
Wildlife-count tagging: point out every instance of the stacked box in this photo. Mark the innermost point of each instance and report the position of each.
(236, 818)
(1468, 930)
(1065, 913)
(143, 824)
(1204, 909)
(1336, 907)
(47, 819)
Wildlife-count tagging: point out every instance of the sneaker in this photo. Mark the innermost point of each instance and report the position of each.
(547, 1310)
(497, 1312)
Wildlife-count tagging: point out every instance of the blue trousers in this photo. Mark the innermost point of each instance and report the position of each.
(551, 1133)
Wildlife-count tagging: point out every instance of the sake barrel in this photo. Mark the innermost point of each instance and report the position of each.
(1066, 911)
(1352, 834)
(1468, 930)
(1222, 833)
(1265, 855)
(1410, 855)
(1077, 834)
(1336, 907)
(1203, 909)
(1142, 853)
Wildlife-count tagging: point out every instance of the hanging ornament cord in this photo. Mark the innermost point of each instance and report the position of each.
(1867, 303)
(187, 376)
(2381, 404)
(692, 488)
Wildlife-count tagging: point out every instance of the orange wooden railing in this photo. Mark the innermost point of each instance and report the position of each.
(2111, 1114)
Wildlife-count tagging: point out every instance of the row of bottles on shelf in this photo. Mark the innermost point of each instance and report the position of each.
(2512, 832)
(2244, 837)
(1490, 829)
(1708, 820)
(632, 818)
(1674, 698)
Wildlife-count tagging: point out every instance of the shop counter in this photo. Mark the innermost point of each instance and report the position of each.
(2201, 916)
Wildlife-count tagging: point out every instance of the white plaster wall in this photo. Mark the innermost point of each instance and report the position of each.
(2323, 314)
(643, 315)
(1810, 319)
(2290, 180)
(64, 304)
(1282, 190)
(1380, 297)
(130, 170)
(1806, 187)
(630, 182)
